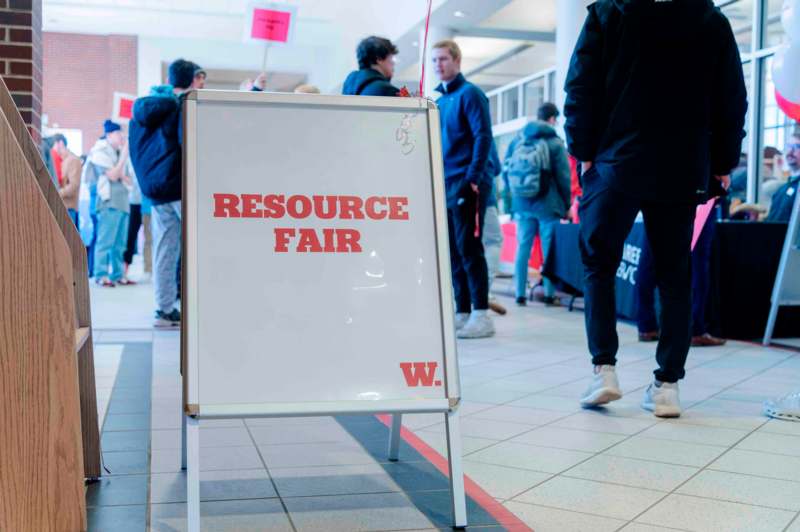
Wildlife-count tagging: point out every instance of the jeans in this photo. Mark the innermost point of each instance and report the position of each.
(527, 228)
(607, 216)
(112, 232)
(166, 219)
(467, 261)
(73, 215)
(90, 249)
(492, 241)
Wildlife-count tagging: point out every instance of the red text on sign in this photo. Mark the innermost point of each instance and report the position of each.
(420, 373)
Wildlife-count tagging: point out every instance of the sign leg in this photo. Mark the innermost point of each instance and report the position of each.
(394, 437)
(773, 316)
(454, 454)
(184, 417)
(193, 473)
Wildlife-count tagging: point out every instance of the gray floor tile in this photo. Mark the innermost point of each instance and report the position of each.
(503, 482)
(635, 473)
(608, 500)
(125, 462)
(641, 527)
(335, 480)
(733, 487)
(543, 459)
(211, 458)
(486, 429)
(259, 515)
(225, 437)
(214, 485)
(706, 515)
(309, 433)
(126, 421)
(315, 454)
(165, 439)
(117, 490)
(600, 422)
(117, 518)
(351, 513)
(518, 414)
(125, 440)
(695, 434)
(543, 519)
(771, 443)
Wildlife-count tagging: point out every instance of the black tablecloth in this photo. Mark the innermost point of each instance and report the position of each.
(744, 263)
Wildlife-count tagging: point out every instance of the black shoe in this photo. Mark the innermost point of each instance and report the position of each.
(521, 301)
(551, 301)
(167, 319)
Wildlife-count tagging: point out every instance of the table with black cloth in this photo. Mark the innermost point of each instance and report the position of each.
(744, 262)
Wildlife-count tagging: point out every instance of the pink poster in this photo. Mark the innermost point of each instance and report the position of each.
(271, 25)
(703, 212)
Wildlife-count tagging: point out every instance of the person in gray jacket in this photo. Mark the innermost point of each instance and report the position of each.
(536, 171)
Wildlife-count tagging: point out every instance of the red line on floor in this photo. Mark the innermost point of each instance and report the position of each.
(503, 516)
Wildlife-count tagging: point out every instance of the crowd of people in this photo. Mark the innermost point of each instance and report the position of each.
(138, 181)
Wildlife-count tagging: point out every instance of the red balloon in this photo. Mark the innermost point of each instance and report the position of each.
(791, 109)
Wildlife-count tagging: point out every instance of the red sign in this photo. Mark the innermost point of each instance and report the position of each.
(126, 108)
(271, 25)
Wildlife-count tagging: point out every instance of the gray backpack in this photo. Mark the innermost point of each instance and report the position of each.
(528, 166)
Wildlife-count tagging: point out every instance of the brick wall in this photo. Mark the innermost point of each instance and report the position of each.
(21, 57)
(82, 72)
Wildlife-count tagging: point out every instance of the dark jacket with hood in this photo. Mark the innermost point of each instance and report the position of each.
(555, 201)
(368, 82)
(156, 136)
(656, 97)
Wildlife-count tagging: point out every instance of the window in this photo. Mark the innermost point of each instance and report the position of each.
(534, 96)
(493, 110)
(773, 29)
(510, 104)
(740, 15)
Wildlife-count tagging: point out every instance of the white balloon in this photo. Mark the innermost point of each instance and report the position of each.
(790, 18)
(786, 72)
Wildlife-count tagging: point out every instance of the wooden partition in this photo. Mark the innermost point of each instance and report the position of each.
(80, 284)
(41, 458)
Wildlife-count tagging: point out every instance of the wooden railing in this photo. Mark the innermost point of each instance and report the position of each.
(49, 439)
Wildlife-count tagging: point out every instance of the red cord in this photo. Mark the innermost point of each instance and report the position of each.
(424, 51)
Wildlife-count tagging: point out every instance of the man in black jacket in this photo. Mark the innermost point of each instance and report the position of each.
(155, 149)
(655, 111)
(375, 69)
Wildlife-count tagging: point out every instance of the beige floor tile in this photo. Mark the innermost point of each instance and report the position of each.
(695, 434)
(667, 451)
(771, 443)
(503, 482)
(733, 487)
(543, 459)
(758, 464)
(576, 440)
(600, 422)
(706, 515)
(635, 473)
(543, 519)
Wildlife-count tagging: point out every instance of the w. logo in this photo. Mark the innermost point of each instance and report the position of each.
(420, 373)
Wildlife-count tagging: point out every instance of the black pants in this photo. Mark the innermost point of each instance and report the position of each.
(607, 216)
(133, 233)
(701, 272)
(467, 260)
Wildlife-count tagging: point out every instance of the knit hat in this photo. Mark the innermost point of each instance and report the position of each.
(182, 73)
(110, 127)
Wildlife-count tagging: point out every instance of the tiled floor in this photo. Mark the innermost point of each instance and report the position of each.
(721, 466)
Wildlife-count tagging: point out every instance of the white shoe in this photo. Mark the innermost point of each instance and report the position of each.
(663, 400)
(461, 319)
(479, 325)
(786, 408)
(603, 389)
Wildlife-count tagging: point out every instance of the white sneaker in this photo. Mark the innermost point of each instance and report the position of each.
(662, 400)
(786, 408)
(479, 325)
(461, 320)
(603, 389)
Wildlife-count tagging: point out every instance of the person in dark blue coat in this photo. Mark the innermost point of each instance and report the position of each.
(155, 140)
(375, 69)
(650, 141)
(468, 171)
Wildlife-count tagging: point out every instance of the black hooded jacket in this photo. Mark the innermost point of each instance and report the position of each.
(656, 97)
(368, 82)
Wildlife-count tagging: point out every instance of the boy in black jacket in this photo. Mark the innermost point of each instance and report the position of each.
(655, 107)
(155, 150)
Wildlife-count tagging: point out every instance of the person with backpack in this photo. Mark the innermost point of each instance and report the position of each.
(537, 173)
(375, 69)
(155, 150)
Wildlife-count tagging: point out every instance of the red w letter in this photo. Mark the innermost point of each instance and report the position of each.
(419, 373)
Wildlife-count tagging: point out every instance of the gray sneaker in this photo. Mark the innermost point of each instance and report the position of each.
(461, 320)
(603, 389)
(479, 325)
(786, 408)
(167, 319)
(663, 401)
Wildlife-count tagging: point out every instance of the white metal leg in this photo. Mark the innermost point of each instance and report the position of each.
(193, 473)
(183, 441)
(394, 437)
(773, 316)
(454, 453)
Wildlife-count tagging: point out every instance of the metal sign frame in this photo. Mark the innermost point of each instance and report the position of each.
(789, 265)
(193, 410)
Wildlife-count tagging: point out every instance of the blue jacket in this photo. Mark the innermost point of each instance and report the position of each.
(368, 82)
(466, 137)
(156, 135)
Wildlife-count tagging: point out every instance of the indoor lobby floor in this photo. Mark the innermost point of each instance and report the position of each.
(534, 458)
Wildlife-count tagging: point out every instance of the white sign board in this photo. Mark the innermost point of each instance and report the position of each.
(317, 267)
